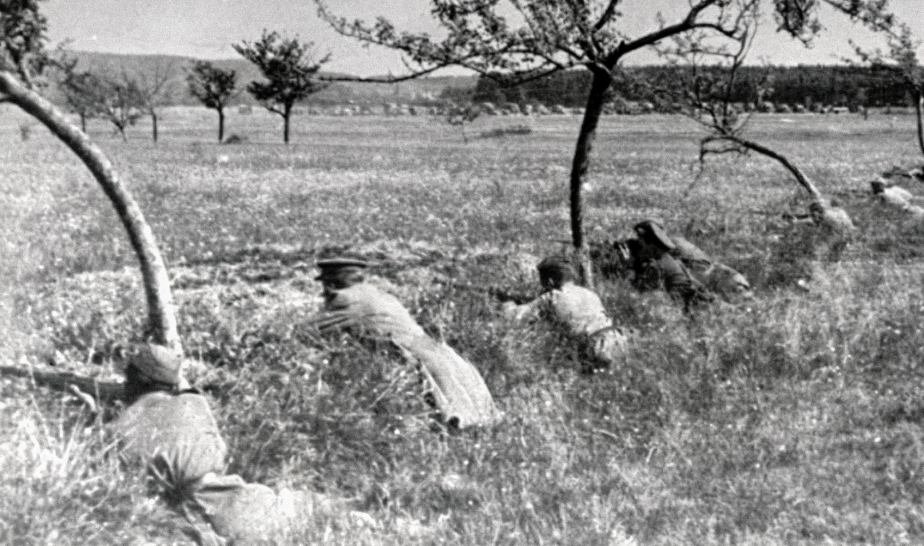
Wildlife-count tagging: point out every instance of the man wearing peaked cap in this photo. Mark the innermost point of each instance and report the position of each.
(651, 232)
(578, 310)
(340, 268)
(656, 267)
(460, 393)
(170, 430)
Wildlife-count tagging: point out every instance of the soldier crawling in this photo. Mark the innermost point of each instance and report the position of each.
(657, 260)
(459, 392)
(578, 310)
(169, 428)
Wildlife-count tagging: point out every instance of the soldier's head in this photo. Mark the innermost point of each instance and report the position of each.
(817, 211)
(340, 273)
(555, 272)
(151, 368)
(652, 233)
(878, 186)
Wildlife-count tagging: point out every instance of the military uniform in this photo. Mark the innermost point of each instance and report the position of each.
(656, 267)
(715, 277)
(836, 230)
(174, 435)
(460, 393)
(581, 313)
(896, 198)
(577, 310)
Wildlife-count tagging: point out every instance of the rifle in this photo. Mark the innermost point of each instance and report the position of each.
(500, 294)
(69, 382)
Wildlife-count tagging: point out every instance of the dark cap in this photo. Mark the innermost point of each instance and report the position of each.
(336, 266)
(878, 185)
(157, 363)
(652, 232)
(556, 264)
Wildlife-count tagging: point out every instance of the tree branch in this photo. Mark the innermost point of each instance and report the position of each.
(688, 23)
(607, 15)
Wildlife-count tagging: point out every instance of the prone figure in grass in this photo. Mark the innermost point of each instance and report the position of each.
(351, 304)
(578, 311)
(896, 197)
(657, 260)
(169, 428)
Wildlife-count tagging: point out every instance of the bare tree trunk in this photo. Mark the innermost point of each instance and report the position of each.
(601, 82)
(221, 125)
(287, 113)
(796, 171)
(83, 122)
(162, 323)
(919, 110)
(154, 125)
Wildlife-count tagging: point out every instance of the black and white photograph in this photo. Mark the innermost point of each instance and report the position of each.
(462, 272)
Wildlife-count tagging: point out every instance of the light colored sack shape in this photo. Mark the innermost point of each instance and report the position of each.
(460, 393)
(728, 283)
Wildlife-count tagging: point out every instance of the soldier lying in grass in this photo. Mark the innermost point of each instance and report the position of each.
(897, 198)
(459, 392)
(170, 429)
(655, 266)
(657, 260)
(578, 310)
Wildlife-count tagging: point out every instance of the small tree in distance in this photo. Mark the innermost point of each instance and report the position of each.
(83, 92)
(459, 115)
(214, 87)
(154, 90)
(290, 71)
(122, 103)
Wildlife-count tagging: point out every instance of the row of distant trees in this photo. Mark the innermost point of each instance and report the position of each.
(288, 66)
(844, 85)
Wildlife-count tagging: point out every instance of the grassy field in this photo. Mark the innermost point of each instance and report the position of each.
(793, 419)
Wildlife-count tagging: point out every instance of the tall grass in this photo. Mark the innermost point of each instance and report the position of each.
(793, 418)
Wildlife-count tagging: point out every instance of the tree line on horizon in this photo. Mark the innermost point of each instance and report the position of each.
(847, 85)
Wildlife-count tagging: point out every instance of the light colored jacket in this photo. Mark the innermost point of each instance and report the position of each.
(176, 438)
(580, 311)
(576, 308)
(459, 390)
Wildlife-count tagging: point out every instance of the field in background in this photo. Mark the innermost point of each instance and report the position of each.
(795, 418)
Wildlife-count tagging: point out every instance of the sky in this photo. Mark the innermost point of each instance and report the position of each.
(206, 28)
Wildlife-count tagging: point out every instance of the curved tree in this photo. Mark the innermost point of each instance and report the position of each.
(548, 36)
(22, 57)
(703, 81)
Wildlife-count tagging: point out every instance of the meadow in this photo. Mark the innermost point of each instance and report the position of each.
(793, 418)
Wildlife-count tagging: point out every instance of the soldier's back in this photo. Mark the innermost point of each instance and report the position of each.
(176, 433)
(579, 309)
(374, 311)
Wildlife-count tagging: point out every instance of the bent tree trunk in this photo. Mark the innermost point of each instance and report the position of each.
(601, 82)
(796, 171)
(161, 311)
(800, 176)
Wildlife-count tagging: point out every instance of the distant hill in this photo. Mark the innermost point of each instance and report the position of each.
(419, 91)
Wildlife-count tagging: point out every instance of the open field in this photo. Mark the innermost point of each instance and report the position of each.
(794, 419)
